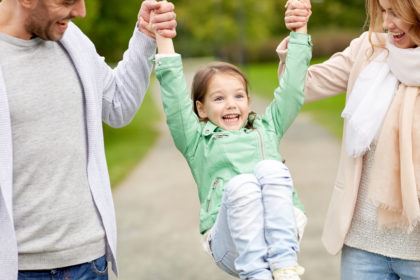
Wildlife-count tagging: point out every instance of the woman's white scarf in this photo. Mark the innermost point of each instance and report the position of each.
(385, 102)
(373, 92)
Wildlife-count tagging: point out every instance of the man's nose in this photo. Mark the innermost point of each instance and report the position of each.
(79, 9)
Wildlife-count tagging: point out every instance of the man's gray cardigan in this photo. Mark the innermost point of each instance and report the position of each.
(111, 96)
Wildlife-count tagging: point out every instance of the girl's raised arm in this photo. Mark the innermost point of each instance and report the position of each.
(165, 44)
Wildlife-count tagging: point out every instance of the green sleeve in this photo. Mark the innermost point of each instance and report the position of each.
(182, 121)
(289, 96)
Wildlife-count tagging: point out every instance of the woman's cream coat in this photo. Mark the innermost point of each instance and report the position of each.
(338, 74)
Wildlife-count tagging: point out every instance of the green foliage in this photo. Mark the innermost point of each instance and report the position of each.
(339, 14)
(126, 146)
(87, 23)
(229, 29)
(224, 23)
(110, 24)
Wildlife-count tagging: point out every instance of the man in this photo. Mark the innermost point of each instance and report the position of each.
(57, 219)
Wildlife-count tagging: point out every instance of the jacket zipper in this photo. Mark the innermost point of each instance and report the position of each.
(213, 188)
(260, 138)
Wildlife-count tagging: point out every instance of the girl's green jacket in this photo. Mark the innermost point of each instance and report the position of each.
(216, 155)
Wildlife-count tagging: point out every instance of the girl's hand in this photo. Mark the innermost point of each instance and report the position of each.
(159, 21)
(297, 15)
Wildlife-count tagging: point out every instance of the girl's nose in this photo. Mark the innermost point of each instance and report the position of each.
(231, 106)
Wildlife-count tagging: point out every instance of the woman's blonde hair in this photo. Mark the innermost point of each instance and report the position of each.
(407, 10)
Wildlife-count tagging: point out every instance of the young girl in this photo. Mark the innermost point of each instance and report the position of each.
(244, 189)
(374, 212)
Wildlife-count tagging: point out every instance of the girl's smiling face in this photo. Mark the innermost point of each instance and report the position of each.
(397, 28)
(226, 102)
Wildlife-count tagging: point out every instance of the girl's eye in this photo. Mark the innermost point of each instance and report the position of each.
(240, 96)
(218, 98)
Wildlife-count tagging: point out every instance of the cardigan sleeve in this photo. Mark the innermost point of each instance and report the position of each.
(125, 86)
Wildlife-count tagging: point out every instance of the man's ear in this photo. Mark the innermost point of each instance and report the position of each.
(201, 110)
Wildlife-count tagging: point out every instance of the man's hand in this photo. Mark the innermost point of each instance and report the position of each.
(163, 21)
(297, 15)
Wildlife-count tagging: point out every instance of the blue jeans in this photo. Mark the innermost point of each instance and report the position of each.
(93, 270)
(255, 231)
(358, 264)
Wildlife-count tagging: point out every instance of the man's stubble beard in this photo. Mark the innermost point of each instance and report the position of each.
(37, 26)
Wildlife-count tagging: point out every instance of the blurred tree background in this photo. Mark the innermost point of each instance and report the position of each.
(238, 31)
(235, 30)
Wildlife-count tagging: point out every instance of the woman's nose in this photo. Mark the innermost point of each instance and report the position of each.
(387, 24)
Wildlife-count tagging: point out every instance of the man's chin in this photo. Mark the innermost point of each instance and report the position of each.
(53, 36)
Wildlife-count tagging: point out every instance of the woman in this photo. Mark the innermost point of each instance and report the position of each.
(374, 210)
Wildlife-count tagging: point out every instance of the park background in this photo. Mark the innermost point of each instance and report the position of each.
(244, 32)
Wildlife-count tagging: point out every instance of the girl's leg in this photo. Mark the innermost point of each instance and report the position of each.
(221, 244)
(237, 238)
(279, 217)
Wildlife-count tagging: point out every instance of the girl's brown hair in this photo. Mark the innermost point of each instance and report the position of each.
(407, 10)
(203, 77)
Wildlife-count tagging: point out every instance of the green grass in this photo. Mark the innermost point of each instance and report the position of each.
(263, 81)
(327, 112)
(126, 146)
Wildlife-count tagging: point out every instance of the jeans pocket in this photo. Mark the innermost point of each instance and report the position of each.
(224, 260)
(100, 266)
(226, 265)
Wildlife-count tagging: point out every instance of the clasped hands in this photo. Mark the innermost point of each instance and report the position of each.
(157, 17)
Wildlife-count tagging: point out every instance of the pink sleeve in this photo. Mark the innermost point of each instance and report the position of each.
(330, 77)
